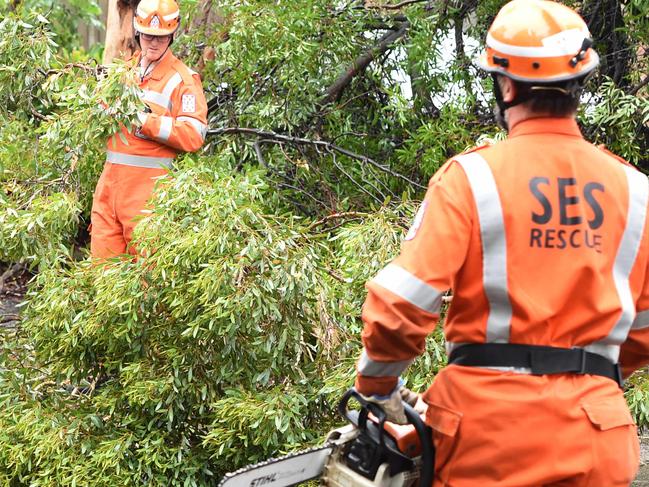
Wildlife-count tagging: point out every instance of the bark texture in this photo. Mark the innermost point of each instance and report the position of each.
(120, 41)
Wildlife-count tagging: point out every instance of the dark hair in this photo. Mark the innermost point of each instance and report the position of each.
(559, 99)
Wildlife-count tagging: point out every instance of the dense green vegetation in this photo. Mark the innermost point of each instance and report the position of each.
(235, 335)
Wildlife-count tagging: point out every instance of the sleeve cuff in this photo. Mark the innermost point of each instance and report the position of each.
(380, 386)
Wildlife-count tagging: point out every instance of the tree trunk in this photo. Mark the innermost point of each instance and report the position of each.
(120, 41)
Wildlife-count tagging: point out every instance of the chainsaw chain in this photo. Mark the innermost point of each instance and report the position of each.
(270, 461)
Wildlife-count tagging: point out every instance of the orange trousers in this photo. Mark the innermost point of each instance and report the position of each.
(493, 428)
(120, 198)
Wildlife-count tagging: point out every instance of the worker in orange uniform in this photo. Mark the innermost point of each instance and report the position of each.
(543, 240)
(175, 122)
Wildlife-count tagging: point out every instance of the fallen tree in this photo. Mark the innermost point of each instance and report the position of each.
(231, 338)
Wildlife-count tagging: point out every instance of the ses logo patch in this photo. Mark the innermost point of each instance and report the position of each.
(576, 229)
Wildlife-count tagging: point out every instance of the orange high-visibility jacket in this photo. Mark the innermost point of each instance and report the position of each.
(177, 122)
(542, 239)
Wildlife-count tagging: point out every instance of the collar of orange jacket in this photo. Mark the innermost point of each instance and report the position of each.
(160, 68)
(546, 125)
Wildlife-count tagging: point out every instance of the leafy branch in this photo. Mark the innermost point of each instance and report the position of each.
(268, 136)
(362, 62)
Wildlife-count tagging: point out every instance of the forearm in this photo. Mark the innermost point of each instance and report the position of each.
(182, 133)
(394, 335)
(634, 353)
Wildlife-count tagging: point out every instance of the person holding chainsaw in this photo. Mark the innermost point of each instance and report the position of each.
(175, 121)
(543, 240)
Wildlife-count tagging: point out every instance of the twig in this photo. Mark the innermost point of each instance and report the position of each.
(639, 86)
(359, 185)
(260, 155)
(327, 146)
(396, 6)
(336, 276)
(362, 62)
(9, 318)
(337, 216)
(260, 86)
(96, 70)
(38, 115)
(10, 272)
(302, 191)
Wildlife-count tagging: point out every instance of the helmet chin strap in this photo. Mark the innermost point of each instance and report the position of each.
(152, 63)
(521, 96)
(526, 91)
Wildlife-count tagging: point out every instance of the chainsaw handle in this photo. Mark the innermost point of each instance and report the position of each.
(423, 432)
(427, 449)
(366, 408)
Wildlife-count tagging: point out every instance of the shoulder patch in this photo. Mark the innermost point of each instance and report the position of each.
(419, 218)
(189, 103)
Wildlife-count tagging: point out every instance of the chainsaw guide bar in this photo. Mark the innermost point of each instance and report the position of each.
(282, 471)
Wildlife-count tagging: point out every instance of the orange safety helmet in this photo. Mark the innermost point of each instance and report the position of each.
(156, 17)
(538, 41)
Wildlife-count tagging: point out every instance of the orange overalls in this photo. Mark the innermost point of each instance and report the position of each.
(543, 240)
(177, 123)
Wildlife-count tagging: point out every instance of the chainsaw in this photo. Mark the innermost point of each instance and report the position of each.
(368, 452)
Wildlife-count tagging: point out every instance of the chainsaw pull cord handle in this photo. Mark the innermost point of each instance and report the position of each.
(423, 432)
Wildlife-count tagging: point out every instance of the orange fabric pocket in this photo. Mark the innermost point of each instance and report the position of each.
(609, 413)
(443, 420)
(445, 423)
(615, 444)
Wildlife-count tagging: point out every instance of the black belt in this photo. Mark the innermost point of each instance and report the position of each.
(539, 359)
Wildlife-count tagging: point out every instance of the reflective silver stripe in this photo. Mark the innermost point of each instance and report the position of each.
(139, 161)
(641, 320)
(372, 368)
(494, 244)
(171, 85)
(171, 16)
(638, 187)
(200, 127)
(166, 124)
(611, 352)
(163, 99)
(570, 44)
(399, 281)
(157, 98)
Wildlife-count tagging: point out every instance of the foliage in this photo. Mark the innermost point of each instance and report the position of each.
(615, 120)
(57, 118)
(637, 395)
(234, 333)
(63, 17)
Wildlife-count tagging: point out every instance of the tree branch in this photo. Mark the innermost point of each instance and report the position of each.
(337, 216)
(362, 62)
(328, 146)
(639, 86)
(9, 273)
(397, 6)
